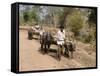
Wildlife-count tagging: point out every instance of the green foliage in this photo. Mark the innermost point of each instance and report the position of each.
(26, 16)
(30, 17)
(76, 23)
(34, 16)
(88, 37)
(93, 16)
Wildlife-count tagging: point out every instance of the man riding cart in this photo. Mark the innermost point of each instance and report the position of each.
(64, 46)
(34, 31)
(60, 41)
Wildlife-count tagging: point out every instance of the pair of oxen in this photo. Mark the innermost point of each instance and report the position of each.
(46, 39)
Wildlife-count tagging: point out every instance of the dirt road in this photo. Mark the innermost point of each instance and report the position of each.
(31, 59)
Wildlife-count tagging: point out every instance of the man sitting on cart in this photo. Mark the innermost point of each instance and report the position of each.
(60, 41)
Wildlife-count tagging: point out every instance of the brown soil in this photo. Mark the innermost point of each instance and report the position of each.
(30, 58)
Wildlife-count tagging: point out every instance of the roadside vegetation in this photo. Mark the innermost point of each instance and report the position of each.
(80, 21)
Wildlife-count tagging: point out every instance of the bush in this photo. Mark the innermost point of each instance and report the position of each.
(76, 23)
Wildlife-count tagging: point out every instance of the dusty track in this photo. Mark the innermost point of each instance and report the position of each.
(32, 59)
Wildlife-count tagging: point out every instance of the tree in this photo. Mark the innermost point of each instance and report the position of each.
(92, 24)
(34, 17)
(76, 22)
(26, 16)
(93, 16)
(64, 15)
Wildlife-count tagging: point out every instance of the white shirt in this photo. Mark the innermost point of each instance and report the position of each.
(60, 35)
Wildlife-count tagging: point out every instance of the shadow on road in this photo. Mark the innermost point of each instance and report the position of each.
(53, 53)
